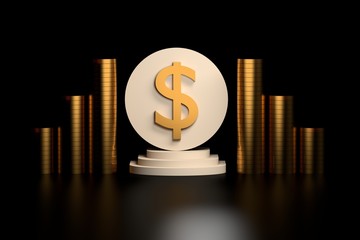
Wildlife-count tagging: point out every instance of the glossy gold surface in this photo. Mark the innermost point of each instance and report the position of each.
(104, 115)
(59, 150)
(77, 106)
(311, 150)
(91, 138)
(250, 117)
(178, 99)
(50, 149)
(282, 135)
(46, 139)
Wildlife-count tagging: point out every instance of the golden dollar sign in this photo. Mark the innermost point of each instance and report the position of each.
(178, 99)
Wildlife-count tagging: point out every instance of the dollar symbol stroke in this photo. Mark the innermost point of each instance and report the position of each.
(178, 99)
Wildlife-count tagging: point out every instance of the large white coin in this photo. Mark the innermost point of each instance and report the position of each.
(207, 89)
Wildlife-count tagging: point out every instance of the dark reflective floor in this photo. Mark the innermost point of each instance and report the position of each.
(179, 208)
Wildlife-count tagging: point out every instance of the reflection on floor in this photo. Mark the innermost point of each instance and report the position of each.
(179, 208)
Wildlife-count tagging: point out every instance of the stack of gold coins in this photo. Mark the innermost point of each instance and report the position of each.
(103, 107)
(250, 117)
(90, 167)
(59, 150)
(77, 133)
(49, 139)
(282, 135)
(311, 152)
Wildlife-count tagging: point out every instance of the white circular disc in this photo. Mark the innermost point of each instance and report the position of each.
(207, 89)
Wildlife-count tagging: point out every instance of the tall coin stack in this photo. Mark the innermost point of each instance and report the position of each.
(311, 150)
(103, 108)
(250, 117)
(282, 142)
(77, 133)
(90, 167)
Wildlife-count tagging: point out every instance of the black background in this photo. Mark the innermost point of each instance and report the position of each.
(54, 71)
(48, 54)
(53, 59)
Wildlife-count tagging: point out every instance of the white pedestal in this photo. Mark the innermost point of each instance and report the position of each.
(178, 163)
